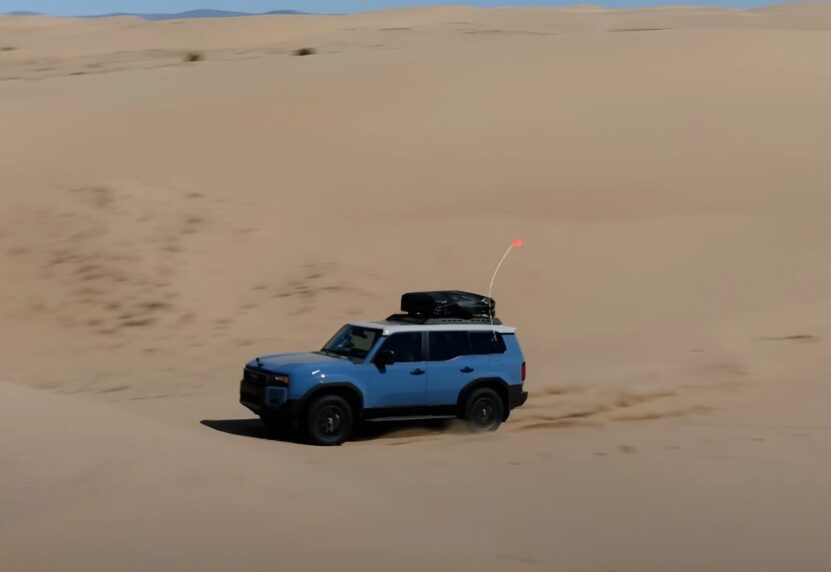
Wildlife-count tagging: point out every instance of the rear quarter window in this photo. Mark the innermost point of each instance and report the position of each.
(486, 343)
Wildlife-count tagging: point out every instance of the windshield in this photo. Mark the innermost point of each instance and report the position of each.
(353, 342)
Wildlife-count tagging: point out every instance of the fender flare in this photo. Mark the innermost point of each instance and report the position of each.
(338, 387)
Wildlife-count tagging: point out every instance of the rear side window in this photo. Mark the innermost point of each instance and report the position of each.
(485, 343)
(448, 345)
(406, 347)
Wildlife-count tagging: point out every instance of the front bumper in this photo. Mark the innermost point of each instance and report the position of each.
(263, 399)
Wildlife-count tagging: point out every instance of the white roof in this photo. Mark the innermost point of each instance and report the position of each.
(390, 328)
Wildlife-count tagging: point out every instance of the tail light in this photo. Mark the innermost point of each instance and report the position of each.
(523, 371)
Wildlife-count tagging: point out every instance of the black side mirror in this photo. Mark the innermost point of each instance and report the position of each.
(384, 358)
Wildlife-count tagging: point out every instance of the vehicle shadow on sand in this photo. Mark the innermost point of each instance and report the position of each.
(379, 431)
(242, 427)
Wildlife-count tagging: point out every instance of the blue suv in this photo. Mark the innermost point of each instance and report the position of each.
(403, 368)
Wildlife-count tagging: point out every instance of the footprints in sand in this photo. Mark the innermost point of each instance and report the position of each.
(106, 258)
(113, 261)
(305, 288)
(149, 275)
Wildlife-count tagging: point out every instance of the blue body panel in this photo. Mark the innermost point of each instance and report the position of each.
(446, 378)
(507, 366)
(398, 385)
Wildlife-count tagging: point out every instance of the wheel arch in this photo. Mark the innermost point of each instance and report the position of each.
(499, 385)
(344, 389)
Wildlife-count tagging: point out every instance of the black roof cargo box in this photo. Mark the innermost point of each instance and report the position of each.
(447, 304)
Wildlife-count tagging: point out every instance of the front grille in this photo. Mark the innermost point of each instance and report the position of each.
(257, 396)
(260, 377)
(255, 377)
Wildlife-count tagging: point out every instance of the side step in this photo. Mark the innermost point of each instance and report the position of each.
(410, 418)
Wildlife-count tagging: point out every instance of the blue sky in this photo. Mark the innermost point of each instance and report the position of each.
(75, 7)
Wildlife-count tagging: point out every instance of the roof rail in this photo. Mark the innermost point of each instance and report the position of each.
(423, 321)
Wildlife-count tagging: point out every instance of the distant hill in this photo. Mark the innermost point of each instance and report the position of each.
(177, 16)
(190, 14)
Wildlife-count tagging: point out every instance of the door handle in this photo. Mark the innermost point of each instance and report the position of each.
(466, 369)
(418, 372)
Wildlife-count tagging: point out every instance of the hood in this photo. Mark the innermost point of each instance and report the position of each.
(289, 364)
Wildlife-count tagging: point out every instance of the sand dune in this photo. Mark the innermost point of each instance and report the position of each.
(93, 487)
(162, 221)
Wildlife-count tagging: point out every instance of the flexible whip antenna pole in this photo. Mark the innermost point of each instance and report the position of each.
(517, 243)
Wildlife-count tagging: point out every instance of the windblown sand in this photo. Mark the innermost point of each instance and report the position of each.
(162, 222)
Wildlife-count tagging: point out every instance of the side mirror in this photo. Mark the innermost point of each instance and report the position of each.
(384, 358)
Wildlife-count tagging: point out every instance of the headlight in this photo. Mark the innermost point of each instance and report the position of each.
(280, 380)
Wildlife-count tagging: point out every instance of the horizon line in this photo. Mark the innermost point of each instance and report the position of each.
(228, 13)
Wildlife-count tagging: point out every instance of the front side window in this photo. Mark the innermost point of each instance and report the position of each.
(405, 347)
(353, 342)
(448, 345)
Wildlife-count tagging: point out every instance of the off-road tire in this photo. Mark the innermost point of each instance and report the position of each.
(484, 410)
(328, 421)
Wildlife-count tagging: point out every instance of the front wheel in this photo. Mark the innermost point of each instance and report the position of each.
(484, 410)
(329, 420)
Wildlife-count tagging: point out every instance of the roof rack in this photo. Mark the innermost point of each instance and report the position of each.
(424, 321)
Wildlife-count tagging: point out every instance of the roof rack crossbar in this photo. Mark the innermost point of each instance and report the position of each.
(424, 321)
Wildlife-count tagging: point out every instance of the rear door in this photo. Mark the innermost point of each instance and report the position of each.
(450, 366)
(404, 383)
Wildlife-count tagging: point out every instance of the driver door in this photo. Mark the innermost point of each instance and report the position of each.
(403, 383)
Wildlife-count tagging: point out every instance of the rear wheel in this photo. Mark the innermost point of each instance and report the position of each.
(328, 420)
(484, 410)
